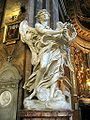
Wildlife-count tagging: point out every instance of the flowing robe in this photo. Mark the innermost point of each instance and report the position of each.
(47, 56)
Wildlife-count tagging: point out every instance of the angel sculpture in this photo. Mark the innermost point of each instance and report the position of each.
(49, 50)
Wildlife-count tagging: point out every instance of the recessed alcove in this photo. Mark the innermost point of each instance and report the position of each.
(84, 105)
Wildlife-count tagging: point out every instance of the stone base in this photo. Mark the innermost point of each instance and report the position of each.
(45, 115)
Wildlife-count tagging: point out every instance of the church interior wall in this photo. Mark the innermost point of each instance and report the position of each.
(14, 51)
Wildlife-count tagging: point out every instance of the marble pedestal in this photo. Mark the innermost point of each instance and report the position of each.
(44, 115)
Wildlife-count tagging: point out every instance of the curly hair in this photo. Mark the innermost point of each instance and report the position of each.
(41, 15)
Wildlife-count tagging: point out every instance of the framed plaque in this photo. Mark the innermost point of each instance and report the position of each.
(11, 33)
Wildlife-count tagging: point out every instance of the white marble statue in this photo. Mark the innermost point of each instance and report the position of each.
(50, 51)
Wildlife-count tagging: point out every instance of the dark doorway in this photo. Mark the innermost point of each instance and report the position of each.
(85, 110)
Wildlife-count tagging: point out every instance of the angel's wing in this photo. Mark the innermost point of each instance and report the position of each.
(26, 31)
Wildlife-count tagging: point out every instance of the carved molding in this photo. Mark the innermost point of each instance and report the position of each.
(83, 34)
(44, 114)
(83, 45)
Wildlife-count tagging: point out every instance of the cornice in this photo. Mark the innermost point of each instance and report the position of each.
(83, 34)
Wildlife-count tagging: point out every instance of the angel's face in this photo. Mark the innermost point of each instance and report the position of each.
(46, 15)
(43, 16)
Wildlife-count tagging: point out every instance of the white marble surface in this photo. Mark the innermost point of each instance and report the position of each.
(50, 52)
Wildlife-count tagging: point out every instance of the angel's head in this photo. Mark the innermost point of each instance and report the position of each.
(43, 15)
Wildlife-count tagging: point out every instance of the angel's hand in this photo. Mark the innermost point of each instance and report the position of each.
(64, 30)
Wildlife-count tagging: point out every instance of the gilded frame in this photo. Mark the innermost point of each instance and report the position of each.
(11, 33)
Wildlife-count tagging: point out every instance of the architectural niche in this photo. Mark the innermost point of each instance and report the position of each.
(9, 79)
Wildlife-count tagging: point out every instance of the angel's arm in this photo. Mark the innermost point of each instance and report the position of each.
(40, 28)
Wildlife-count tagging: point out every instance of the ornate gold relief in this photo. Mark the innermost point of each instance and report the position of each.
(77, 17)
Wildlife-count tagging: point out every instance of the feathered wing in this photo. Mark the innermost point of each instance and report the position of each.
(29, 36)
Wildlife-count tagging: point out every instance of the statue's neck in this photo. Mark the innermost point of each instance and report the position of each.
(45, 23)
